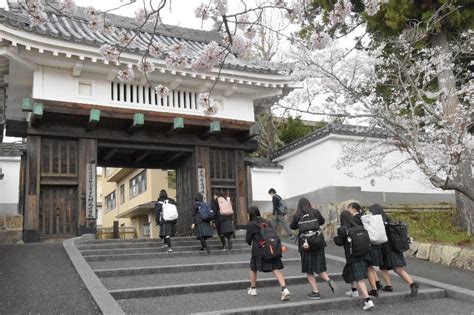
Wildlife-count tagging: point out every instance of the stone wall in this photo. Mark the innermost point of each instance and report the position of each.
(11, 228)
(454, 256)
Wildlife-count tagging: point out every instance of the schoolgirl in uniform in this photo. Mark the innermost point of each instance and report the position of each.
(202, 229)
(257, 261)
(355, 270)
(311, 261)
(224, 224)
(167, 228)
(392, 260)
(375, 254)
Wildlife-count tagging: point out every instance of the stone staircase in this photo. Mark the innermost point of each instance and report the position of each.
(144, 278)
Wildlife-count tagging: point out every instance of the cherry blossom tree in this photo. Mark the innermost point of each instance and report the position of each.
(408, 73)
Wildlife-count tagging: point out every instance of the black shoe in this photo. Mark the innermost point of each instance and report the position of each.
(387, 288)
(378, 285)
(201, 249)
(229, 245)
(373, 293)
(332, 285)
(314, 296)
(414, 289)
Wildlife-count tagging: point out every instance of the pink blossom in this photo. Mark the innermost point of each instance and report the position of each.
(243, 21)
(125, 39)
(239, 45)
(109, 53)
(178, 49)
(202, 12)
(208, 58)
(126, 74)
(91, 12)
(156, 49)
(146, 67)
(36, 14)
(162, 90)
(204, 99)
(68, 6)
(220, 7)
(141, 15)
(177, 63)
(107, 28)
(341, 11)
(250, 33)
(320, 40)
(280, 3)
(96, 24)
(372, 7)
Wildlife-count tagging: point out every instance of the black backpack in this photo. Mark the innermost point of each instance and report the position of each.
(359, 240)
(311, 233)
(308, 223)
(270, 242)
(397, 234)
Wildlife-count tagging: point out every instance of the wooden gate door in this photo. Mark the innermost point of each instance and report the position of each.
(58, 212)
(185, 178)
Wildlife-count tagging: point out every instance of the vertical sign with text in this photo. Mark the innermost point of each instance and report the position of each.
(202, 182)
(91, 183)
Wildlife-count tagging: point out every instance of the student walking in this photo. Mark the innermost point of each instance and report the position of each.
(355, 269)
(224, 220)
(311, 244)
(257, 232)
(279, 212)
(166, 217)
(203, 215)
(392, 260)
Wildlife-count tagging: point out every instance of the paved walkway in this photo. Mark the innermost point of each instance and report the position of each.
(39, 279)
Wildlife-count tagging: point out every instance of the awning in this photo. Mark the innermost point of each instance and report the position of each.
(143, 209)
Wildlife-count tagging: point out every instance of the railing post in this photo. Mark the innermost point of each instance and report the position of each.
(116, 230)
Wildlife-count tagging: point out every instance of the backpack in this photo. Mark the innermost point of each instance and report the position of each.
(270, 242)
(310, 232)
(397, 233)
(282, 208)
(206, 212)
(225, 206)
(359, 240)
(375, 227)
(169, 211)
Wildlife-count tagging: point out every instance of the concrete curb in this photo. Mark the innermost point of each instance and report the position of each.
(163, 255)
(327, 304)
(120, 272)
(104, 300)
(146, 292)
(139, 250)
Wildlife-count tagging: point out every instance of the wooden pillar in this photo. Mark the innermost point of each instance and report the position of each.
(240, 188)
(203, 169)
(32, 189)
(87, 162)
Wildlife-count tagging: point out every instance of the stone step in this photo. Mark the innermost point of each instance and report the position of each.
(163, 255)
(146, 250)
(155, 243)
(121, 272)
(168, 260)
(147, 240)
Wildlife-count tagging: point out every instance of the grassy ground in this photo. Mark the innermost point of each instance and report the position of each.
(433, 227)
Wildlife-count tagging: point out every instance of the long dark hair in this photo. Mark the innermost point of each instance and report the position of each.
(163, 194)
(377, 209)
(346, 218)
(198, 197)
(356, 206)
(304, 205)
(254, 213)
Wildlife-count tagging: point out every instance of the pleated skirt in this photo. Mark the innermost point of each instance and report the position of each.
(355, 271)
(258, 263)
(225, 227)
(376, 256)
(167, 229)
(203, 229)
(313, 262)
(392, 259)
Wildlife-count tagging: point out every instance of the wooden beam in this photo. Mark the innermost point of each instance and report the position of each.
(174, 157)
(110, 154)
(252, 133)
(178, 125)
(37, 114)
(214, 129)
(138, 122)
(94, 118)
(27, 105)
(142, 156)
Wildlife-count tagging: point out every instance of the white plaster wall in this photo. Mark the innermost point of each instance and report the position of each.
(262, 180)
(47, 80)
(9, 185)
(313, 167)
(20, 82)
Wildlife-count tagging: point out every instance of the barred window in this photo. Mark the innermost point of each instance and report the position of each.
(138, 184)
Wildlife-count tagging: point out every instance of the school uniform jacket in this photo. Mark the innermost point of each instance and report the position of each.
(159, 211)
(297, 217)
(253, 236)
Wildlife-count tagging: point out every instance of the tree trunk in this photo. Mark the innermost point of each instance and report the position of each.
(446, 82)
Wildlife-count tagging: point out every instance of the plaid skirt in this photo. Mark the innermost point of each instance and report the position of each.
(392, 259)
(167, 229)
(355, 271)
(376, 256)
(313, 261)
(258, 263)
(203, 229)
(225, 227)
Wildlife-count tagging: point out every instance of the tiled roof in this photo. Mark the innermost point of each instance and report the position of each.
(12, 149)
(75, 28)
(340, 129)
(262, 163)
